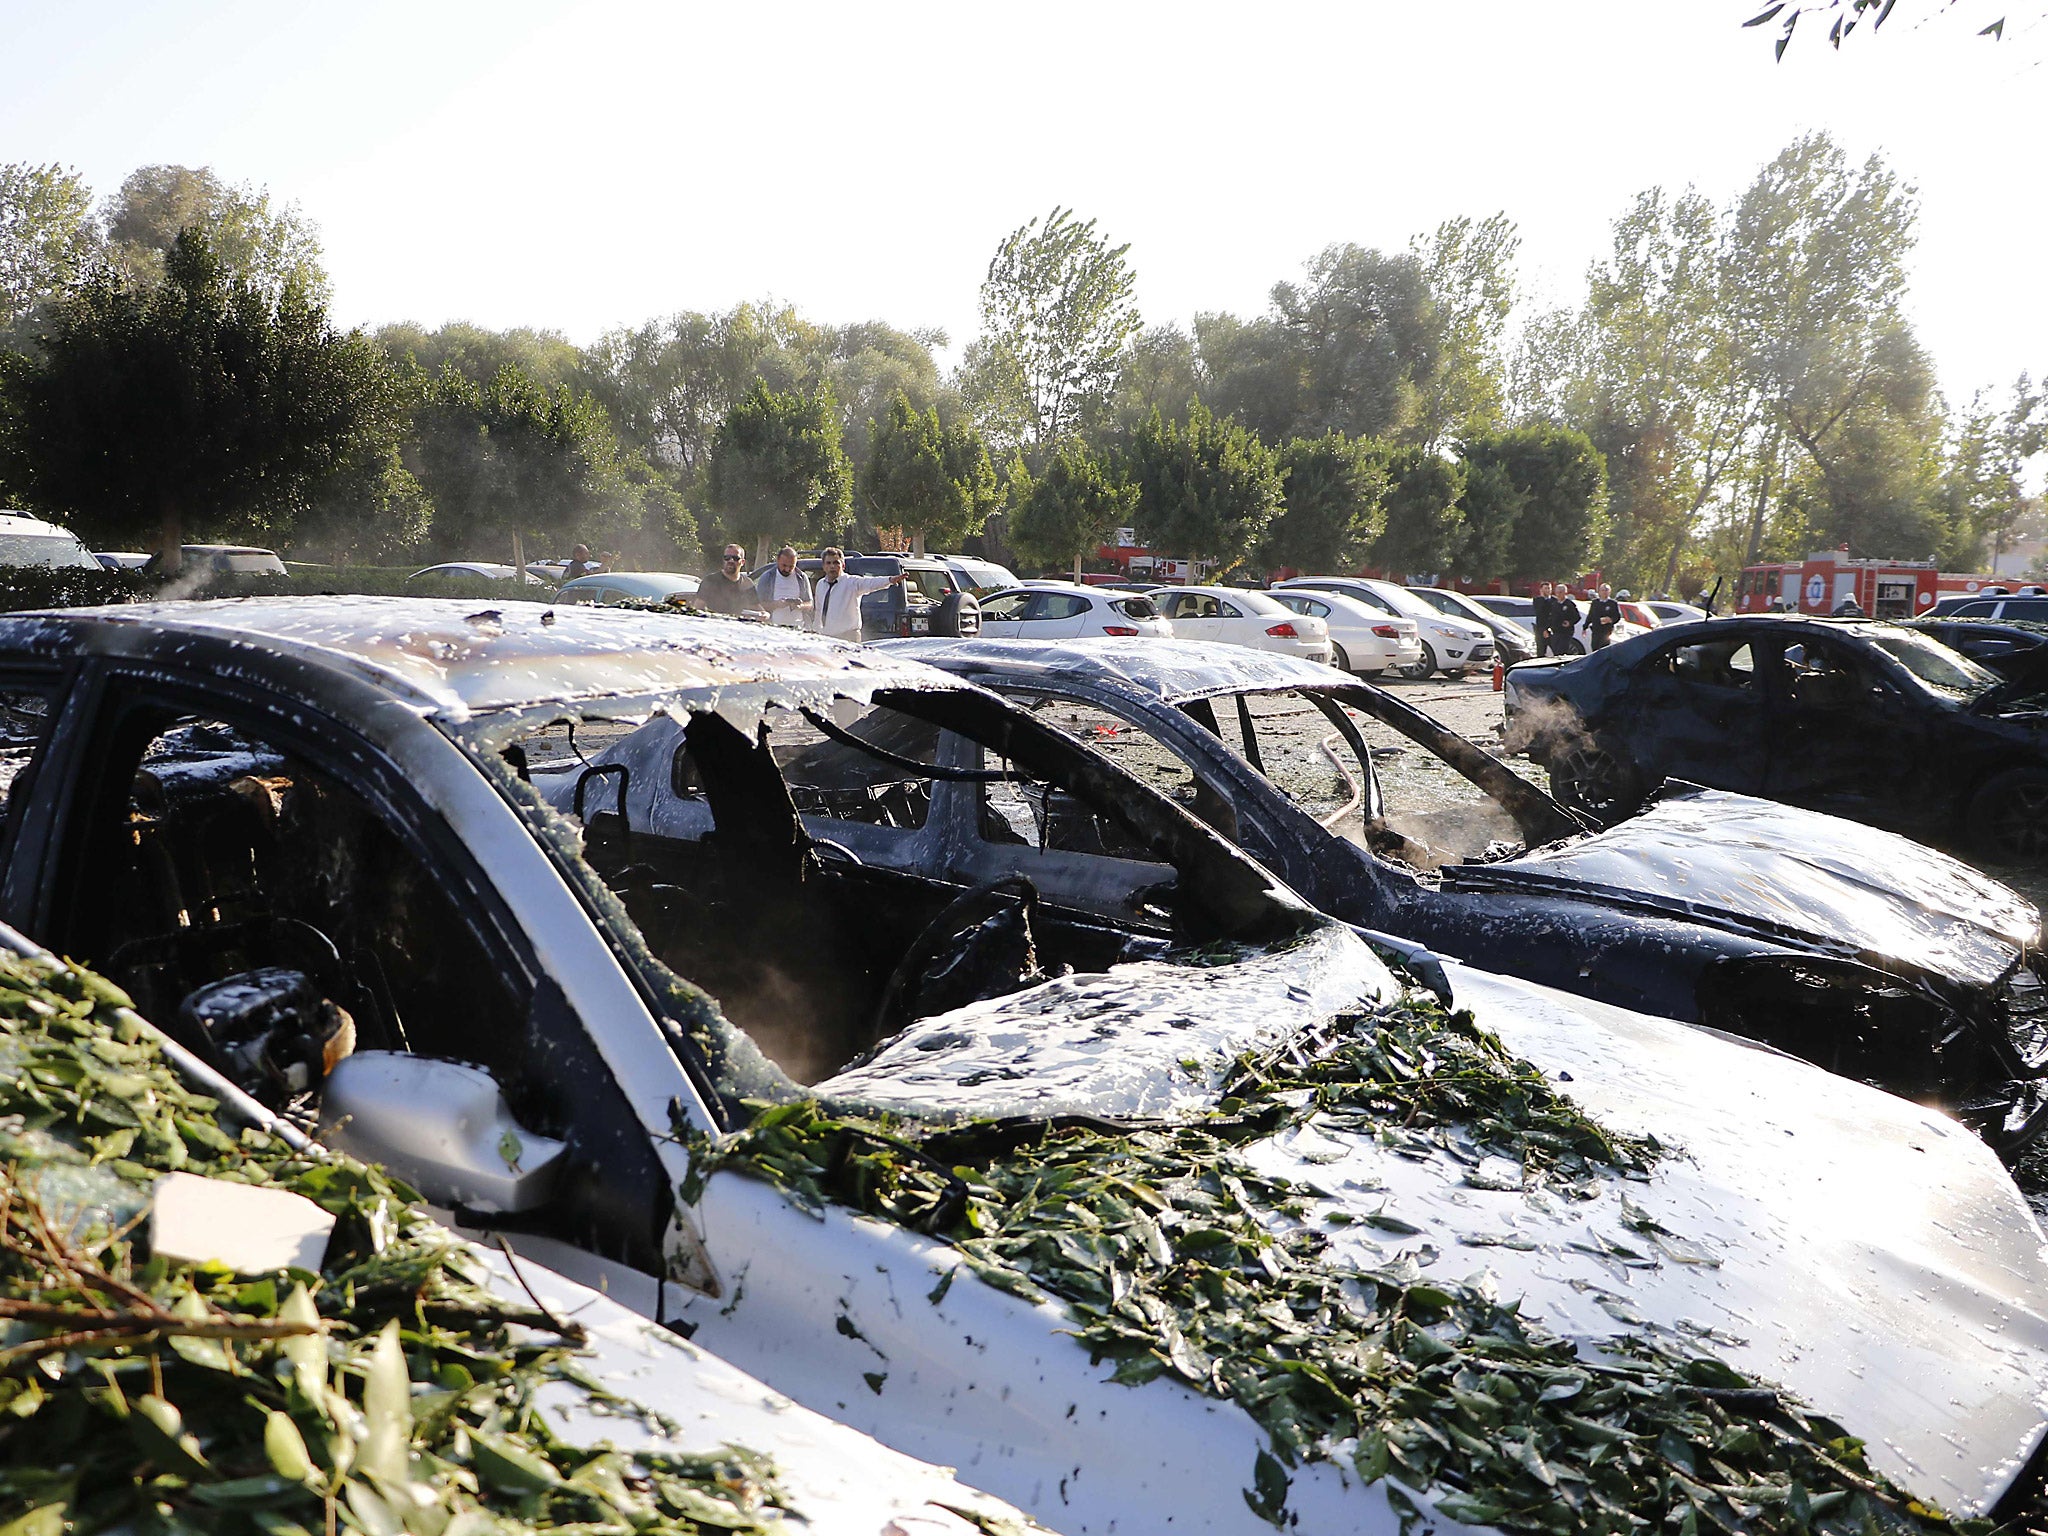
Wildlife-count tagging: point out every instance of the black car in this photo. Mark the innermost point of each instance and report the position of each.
(1870, 721)
(2013, 648)
(1852, 948)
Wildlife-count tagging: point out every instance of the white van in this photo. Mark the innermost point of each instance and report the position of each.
(27, 540)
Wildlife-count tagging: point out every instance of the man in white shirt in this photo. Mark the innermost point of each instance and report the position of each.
(785, 591)
(835, 599)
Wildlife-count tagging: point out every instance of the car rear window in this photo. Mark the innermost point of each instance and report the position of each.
(45, 550)
(1135, 607)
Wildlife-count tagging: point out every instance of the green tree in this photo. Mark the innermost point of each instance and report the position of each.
(1425, 526)
(1057, 317)
(269, 248)
(371, 510)
(197, 405)
(1067, 513)
(508, 457)
(1559, 481)
(1468, 266)
(1983, 493)
(1255, 372)
(1372, 351)
(1160, 374)
(776, 469)
(1206, 490)
(935, 483)
(1334, 504)
(1490, 505)
(1814, 287)
(548, 358)
(47, 241)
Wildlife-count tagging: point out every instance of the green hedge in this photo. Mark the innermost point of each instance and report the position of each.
(23, 587)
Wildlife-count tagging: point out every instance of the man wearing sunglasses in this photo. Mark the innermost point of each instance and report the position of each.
(727, 590)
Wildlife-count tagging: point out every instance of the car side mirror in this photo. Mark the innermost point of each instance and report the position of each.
(440, 1126)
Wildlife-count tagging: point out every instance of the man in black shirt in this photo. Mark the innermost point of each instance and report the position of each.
(1564, 621)
(1602, 614)
(1544, 616)
(727, 590)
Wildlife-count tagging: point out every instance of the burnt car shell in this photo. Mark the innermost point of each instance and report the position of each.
(1852, 948)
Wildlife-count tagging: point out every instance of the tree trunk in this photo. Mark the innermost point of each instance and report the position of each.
(1077, 568)
(170, 548)
(1756, 517)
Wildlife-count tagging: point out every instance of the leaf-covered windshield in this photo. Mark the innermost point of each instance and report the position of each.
(1933, 663)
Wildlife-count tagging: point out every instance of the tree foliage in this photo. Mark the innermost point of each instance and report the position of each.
(1555, 481)
(776, 469)
(1057, 317)
(1068, 512)
(548, 358)
(269, 248)
(1333, 508)
(198, 405)
(510, 457)
(1206, 489)
(935, 483)
(1425, 527)
(47, 241)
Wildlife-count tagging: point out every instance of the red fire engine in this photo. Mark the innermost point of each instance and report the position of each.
(1884, 589)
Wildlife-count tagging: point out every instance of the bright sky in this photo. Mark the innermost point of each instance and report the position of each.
(580, 166)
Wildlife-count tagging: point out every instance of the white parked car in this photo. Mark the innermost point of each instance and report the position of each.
(28, 540)
(1059, 610)
(1362, 640)
(1449, 645)
(978, 576)
(1240, 616)
(627, 587)
(1669, 612)
(473, 570)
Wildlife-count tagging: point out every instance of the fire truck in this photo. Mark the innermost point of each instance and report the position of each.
(1884, 589)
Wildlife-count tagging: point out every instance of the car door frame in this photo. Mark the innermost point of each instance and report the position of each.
(422, 781)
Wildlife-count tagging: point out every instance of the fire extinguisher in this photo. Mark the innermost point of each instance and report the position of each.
(1500, 675)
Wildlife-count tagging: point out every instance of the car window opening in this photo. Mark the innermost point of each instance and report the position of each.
(813, 873)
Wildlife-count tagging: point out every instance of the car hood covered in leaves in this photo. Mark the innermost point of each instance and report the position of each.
(1865, 1254)
(1757, 865)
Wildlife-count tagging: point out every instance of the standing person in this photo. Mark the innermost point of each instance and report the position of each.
(1602, 614)
(727, 589)
(784, 590)
(1564, 622)
(835, 596)
(1543, 618)
(580, 563)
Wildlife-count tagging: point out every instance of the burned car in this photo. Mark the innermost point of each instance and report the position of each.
(1869, 721)
(1854, 949)
(1123, 1181)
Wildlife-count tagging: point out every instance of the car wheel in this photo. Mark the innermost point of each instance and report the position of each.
(2008, 818)
(1339, 658)
(1417, 671)
(1595, 782)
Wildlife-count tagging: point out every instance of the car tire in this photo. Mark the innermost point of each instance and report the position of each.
(1586, 779)
(2008, 818)
(1417, 671)
(1339, 657)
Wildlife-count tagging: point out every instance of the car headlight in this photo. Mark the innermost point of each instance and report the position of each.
(1445, 632)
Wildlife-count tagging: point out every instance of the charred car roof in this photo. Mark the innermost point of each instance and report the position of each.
(453, 657)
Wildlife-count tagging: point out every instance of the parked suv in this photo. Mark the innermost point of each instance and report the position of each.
(28, 540)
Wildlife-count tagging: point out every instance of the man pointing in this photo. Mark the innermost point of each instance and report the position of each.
(835, 596)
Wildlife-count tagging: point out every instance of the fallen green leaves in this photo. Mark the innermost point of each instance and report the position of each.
(392, 1393)
(1174, 1256)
